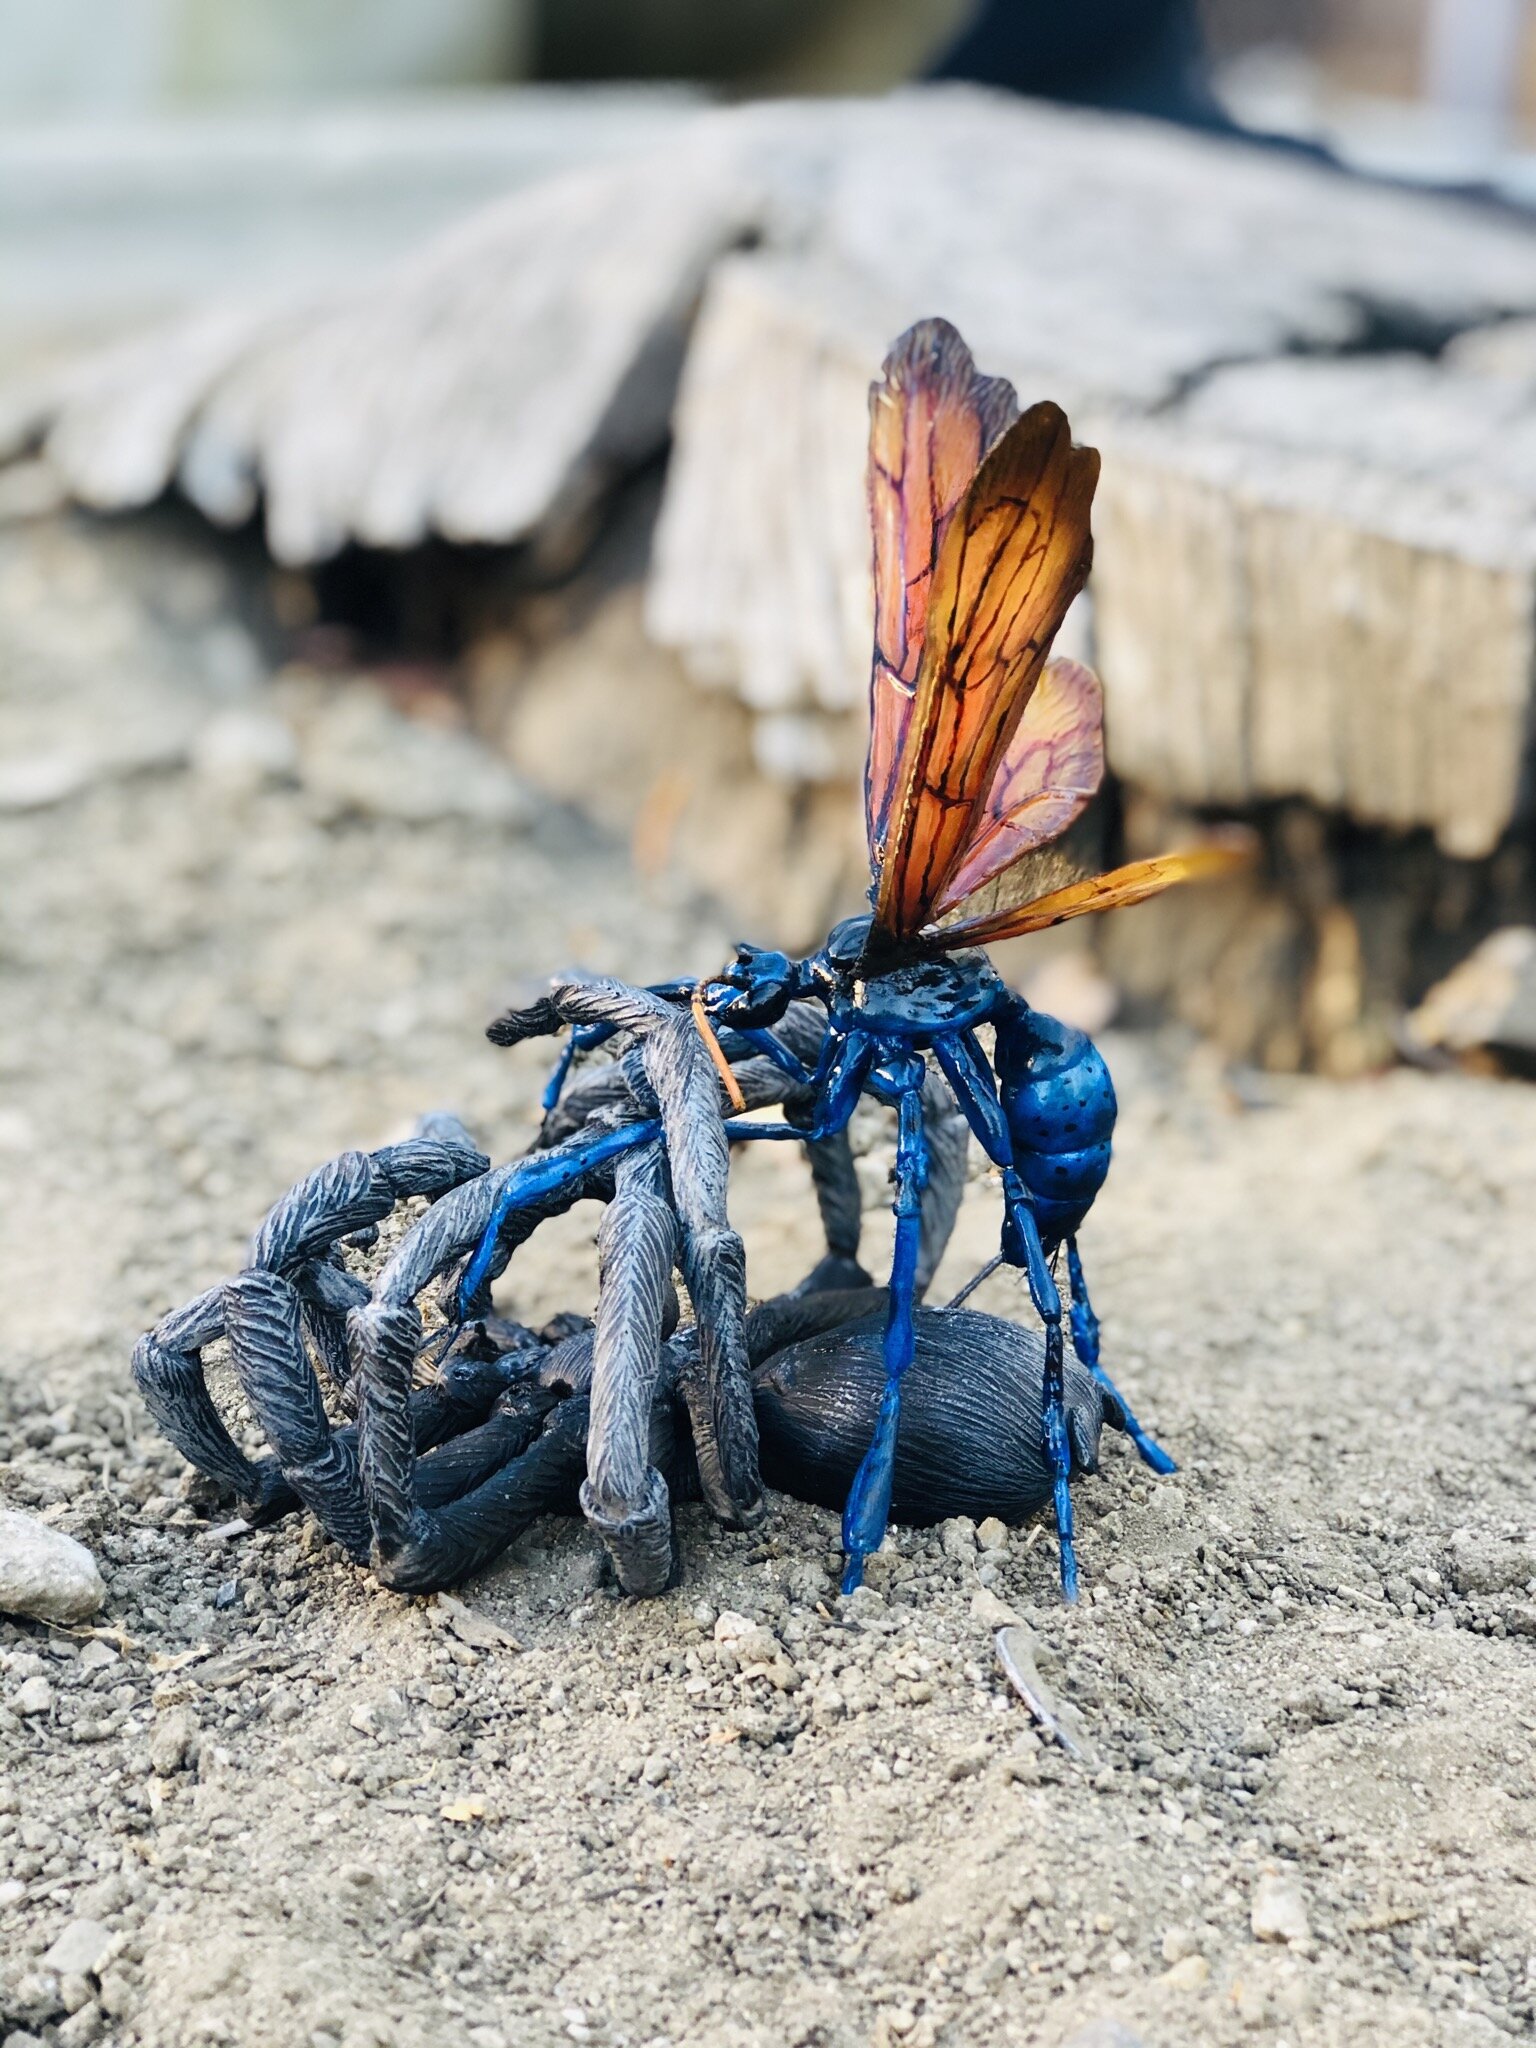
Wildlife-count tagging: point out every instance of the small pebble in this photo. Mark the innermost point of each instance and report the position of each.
(33, 782)
(241, 750)
(992, 1534)
(32, 1696)
(79, 1949)
(991, 1610)
(173, 1742)
(1188, 1973)
(1279, 1912)
(1482, 1564)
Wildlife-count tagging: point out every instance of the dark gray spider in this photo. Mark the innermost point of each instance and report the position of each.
(626, 1415)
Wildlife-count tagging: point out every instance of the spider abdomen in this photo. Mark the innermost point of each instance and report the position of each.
(971, 1436)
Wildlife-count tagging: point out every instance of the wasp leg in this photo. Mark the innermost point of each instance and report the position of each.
(869, 1499)
(1085, 1341)
(540, 1183)
(966, 1070)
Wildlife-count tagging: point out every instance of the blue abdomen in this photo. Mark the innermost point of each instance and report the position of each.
(1060, 1105)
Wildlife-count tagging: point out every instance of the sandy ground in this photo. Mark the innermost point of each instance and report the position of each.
(302, 1811)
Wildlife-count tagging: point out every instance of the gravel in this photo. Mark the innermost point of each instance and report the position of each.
(750, 1813)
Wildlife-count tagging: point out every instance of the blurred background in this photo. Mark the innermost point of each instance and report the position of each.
(500, 366)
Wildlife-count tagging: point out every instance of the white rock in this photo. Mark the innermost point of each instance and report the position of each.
(1484, 1564)
(79, 1949)
(992, 1534)
(44, 1573)
(1188, 1973)
(33, 1696)
(991, 1610)
(1279, 1911)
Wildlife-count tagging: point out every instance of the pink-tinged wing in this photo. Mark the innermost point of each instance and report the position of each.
(1049, 775)
(931, 420)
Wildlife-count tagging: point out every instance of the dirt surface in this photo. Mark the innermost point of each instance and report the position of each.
(239, 931)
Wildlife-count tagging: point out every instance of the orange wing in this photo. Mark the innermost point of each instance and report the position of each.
(1049, 776)
(931, 420)
(1130, 884)
(1015, 553)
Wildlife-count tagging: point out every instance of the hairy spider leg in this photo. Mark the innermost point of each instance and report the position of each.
(869, 1498)
(263, 1311)
(1085, 1341)
(263, 1323)
(168, 1372)
(433, 1521)
(624, 1496)
(839, 1079)
(461, 1507)
(587, 1037)
(538, 1176)
(965, 1068)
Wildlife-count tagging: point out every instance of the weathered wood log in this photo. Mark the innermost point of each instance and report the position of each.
(483, 390)
(1319, 579)
(1277, 617)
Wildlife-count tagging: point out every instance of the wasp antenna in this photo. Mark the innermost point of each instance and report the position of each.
(706, 1030)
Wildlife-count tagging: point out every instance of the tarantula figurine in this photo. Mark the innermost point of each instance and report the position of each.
(432, 1481)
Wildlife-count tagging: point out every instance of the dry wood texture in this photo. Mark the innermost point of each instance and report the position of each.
(1315, 570)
